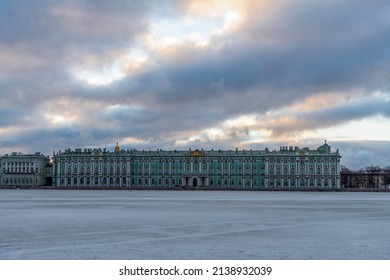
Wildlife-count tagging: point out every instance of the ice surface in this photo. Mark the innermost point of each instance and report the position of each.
(55, 224)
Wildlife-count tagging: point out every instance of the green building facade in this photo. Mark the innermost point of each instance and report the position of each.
(288, 168)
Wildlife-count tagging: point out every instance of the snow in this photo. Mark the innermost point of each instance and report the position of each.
(60, 224)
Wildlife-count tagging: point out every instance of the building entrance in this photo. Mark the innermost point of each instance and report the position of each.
(192, 181)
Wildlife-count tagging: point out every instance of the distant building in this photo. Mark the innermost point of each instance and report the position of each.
(288, 168)
(19, 169)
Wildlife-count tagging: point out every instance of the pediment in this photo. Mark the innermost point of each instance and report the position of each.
(196, 153)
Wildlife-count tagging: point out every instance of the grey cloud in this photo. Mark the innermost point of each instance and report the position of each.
(41, 47)
(43, 140)
(359, 154)
(261, 77)
(9, 117)
(355, 109)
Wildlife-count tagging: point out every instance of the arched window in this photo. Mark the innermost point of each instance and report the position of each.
(104, 181)
(75, 181)
(96, 181)
(124, 181)
(326, 183)
(88, 181)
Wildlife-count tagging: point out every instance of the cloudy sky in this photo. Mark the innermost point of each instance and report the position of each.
(209, 74)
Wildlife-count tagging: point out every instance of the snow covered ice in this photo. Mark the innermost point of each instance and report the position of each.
(55, 224)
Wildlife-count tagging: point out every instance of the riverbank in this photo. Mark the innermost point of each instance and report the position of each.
(192, 189)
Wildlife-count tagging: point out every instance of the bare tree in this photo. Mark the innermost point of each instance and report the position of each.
(370, 177)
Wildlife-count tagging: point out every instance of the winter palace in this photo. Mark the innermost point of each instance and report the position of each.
(287, 168)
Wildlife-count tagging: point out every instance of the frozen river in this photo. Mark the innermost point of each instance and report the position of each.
(47, 224)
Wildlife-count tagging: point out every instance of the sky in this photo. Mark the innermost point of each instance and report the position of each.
(180, 74)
